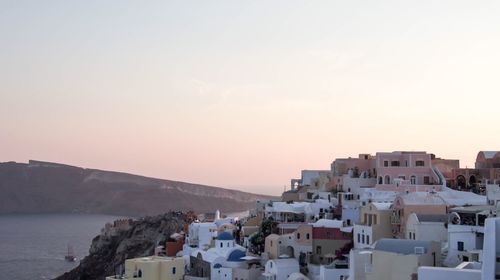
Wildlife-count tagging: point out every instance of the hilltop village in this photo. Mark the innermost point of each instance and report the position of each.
(388, 216)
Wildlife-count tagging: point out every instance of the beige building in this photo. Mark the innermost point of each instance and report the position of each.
(153, 268)
(250, 272)
(375, 224)
(293, 244)
(427, 203)
(399, 259)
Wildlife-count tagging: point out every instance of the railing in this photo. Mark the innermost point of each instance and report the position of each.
(395, 220)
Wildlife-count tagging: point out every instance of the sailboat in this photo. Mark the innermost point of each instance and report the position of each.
(70, 257)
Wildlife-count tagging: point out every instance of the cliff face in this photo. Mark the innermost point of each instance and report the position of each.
(41, 187)
(106, 254)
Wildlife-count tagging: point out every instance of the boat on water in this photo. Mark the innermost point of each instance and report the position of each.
(70, 257)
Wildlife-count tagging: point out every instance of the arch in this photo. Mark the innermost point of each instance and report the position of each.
(289, 251)
(387, 179)
(380, 180)
(461, 182)
(472, 180)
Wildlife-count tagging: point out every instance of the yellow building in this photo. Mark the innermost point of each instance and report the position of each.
(399, 259)
(153, 268)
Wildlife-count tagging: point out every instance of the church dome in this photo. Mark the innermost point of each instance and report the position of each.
(225, 236)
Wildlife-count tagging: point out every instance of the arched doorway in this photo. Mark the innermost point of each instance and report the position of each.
(289, 251)
(472, 181)
(387, 179)
(461, 182)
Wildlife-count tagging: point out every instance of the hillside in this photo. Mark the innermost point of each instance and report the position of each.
(108, 253)
(43, 187)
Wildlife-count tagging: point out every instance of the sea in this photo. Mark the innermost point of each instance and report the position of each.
(34, 246)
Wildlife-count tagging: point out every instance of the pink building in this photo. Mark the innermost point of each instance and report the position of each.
(362, 166)
(406, 171)
(486, 171)
(417, 202)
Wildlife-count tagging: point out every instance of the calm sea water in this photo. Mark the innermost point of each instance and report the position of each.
(34, 246)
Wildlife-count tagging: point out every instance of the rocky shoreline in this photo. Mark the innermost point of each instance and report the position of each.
(108, 252)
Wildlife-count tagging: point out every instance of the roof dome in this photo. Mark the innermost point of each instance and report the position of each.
(236, 256)
(225, 236)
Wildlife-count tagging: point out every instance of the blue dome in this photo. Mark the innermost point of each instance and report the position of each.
(217, 265)
(236, 256)
(225, 236)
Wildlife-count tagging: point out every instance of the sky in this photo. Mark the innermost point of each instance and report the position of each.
(245, 94)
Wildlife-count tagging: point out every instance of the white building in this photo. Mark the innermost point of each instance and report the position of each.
(427, 227)
(488, 270)
(200, 235)
(280, 269)
(466, 233)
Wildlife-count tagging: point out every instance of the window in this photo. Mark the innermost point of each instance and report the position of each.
(374, 219)
(413, 180)
(386, 163)
(395, 163)
(318, 250)
(298, 235)
(419, 163)
(363, 238)
(367, 239)
(460, 246)
(271, 243)
(359, 238)
(307, 236)
(173, 270)
(222, 244)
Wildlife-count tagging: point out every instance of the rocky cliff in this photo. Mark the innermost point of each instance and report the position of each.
(43, 187)
(107, 253)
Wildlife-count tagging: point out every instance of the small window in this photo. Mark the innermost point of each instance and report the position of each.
(298, 235)
(307, 236)
(460, 246)
(173, 270)
(363, 238)
(318, 250)
(419, 163)
(221, 245)
(367, 239)
(395, 163)
(386, 163)
(359, 238)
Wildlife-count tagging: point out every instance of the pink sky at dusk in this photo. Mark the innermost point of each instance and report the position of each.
(245, 95)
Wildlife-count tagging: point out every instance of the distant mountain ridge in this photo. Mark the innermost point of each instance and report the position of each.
(46, 187)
